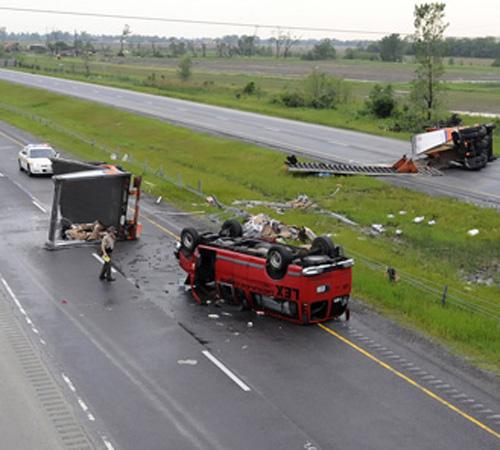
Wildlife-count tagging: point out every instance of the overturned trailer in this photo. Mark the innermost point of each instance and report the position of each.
(437, 149)
(92, 193)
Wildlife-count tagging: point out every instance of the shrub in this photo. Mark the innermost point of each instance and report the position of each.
(381, 101)
(250, 88)
(291, 99)
(184, 70)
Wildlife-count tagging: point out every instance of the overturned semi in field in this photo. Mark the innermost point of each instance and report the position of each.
(468, 147)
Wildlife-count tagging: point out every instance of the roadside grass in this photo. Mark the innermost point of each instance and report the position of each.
(437, 255)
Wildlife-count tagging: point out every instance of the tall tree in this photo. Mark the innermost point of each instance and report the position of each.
(126, 31)
(392, 48)
(430, 26)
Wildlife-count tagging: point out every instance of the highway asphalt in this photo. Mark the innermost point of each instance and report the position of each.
(148, 368)
(317, 141)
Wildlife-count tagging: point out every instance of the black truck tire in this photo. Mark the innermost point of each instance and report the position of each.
(277, 261)
(323, 245)
(231, 228)
(189, 239)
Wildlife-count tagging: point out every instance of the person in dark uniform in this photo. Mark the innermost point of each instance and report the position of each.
(107, 246)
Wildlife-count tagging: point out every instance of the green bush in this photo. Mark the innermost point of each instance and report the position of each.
(381, 102)
(291, 99)
(250, 88)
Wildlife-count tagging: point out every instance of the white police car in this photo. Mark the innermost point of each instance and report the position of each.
(35, 159)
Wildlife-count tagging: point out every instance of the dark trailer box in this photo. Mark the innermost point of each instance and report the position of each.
(93, 193)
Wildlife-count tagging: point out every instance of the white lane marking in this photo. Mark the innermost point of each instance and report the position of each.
(108, 444)
(40, 207)
(13, 296)
(21, 309)
(338, 143)
(68, 382)
(272, 129)
(96, 256)
(82, 404)
(224, 369)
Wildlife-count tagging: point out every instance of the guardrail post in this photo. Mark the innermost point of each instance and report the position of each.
(445, 293)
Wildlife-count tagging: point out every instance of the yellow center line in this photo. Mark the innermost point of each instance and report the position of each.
(380, 362)
(410, 381)
(10, 138)
(161, 227)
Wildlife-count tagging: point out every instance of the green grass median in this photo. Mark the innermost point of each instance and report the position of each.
(427, 257)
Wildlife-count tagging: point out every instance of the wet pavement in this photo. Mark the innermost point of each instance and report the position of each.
(155, 370)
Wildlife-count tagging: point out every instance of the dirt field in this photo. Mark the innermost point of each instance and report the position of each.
(355, 70)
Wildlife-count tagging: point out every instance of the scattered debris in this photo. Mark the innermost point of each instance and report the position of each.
(187, 362)
(402, 213)
(473, 232)
(212, 201)
(391, 274)
(158, 200)
(418, 219)
(125, 158)
(263, 226)
(390, 216)
(431, 222)
(377, 227)
(398, 232)
(260, 313)
(250, 324)
(213, 316)
(301, 202)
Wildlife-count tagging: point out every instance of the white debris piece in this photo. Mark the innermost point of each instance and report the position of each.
(431, 222)
(378, 227)
(398, 232)
(187, 362)
(473, 232)
(158, 200)
(213, 316)
(125, 157)
(260, 313)
(418, 219)
(390, 216)
(250, 324)
(113, 156)
(402, 213)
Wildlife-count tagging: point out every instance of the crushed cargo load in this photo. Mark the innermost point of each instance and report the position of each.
(90, 197)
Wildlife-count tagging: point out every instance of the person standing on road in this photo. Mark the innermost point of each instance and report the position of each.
(107, 246)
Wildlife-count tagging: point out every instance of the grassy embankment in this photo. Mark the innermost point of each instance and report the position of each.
(440, 254)
(222, 88)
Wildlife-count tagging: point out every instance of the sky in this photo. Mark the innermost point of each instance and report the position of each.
(467, 18)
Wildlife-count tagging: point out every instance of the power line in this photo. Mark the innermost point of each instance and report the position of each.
(191, 21)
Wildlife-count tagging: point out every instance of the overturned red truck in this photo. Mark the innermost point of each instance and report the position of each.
(300, 285)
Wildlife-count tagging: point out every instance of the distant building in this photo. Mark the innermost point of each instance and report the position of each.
(38, 48)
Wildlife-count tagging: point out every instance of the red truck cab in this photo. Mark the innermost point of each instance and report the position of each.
(299, 285)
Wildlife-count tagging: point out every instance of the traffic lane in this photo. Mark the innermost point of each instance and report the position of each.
(273, 131)
(135, 346)
(480, 187)
(37, 188)
(336, 395)
(227, 332)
